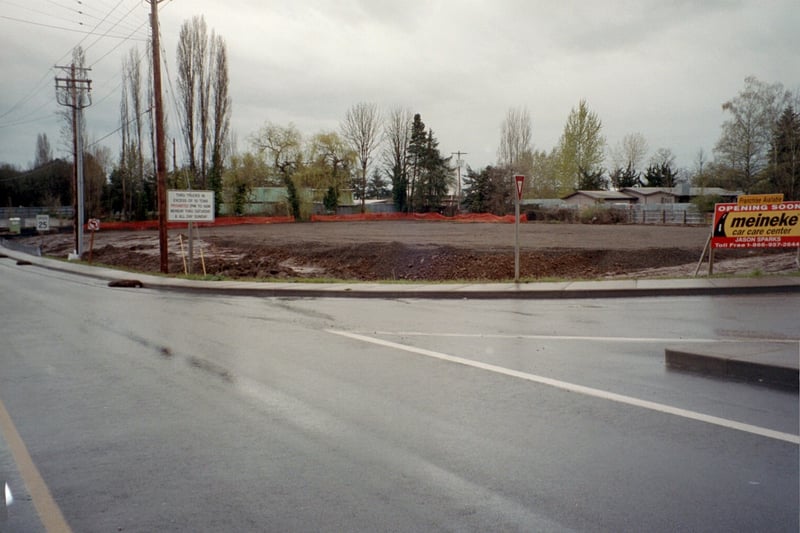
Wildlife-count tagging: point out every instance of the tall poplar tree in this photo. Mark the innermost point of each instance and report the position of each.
(205, 103)
(581, 148)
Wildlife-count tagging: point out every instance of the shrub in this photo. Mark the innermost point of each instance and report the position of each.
(599, 214)
(705, 203)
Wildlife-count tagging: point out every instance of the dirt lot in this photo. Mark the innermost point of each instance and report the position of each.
(425, 251)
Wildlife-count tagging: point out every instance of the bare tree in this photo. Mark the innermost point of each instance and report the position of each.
(204, 74)
(744, 144)
(44, 154)
(361, 129)
(205, 100)
(132, 166)
(134, 74)
(630, 152)
(187, 81)
(221, 118)
(663, 156)
(282, 148)
(516, 132)
(397, 132)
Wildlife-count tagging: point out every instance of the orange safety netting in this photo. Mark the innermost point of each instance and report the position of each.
(479, 217)
(220, 221)
(236, 221)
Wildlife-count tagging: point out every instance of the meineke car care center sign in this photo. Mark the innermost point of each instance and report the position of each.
(190, 206)
(774, 225)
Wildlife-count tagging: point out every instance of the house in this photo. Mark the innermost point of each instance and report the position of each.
(273, 200)
(685, 194)
(652, 195)
(590, 198)
(680, 194)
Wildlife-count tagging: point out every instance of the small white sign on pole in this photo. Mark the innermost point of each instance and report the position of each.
(190, 206)
(43, 223)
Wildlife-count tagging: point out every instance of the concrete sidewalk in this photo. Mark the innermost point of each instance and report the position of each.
(763, 362)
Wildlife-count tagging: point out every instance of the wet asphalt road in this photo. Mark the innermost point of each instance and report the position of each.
(148, 411)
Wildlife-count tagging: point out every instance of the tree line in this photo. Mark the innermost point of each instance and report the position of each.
(387, 154)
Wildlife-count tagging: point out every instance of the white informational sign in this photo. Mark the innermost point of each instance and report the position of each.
(190, 206)
(42, 222)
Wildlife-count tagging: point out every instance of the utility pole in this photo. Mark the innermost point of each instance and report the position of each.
(458, 168)
(161, 150)
(74, 92)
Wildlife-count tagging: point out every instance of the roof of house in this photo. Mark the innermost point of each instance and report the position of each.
(712, 191)
(649, 191)
(542, 202)
(602, 195)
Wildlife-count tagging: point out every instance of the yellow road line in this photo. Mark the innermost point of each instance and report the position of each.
(46, 507)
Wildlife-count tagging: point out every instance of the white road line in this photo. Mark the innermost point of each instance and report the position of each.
(580, 389)
(580, 338)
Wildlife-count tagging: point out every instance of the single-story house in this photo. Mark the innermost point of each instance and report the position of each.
(681, 193)
(652, 195)
(589, 198)
(685, 194)
(272, 200)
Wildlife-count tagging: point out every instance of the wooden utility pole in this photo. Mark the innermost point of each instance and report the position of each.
(74, 92)
(161, 151)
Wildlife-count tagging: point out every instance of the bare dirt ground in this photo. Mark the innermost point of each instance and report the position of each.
(426, 251)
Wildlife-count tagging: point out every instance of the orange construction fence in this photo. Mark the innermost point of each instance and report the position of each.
(219, 221)
(237, 221)
(477, 217)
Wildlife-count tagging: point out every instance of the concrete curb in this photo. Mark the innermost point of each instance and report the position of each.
(546, 290)
(774, 364)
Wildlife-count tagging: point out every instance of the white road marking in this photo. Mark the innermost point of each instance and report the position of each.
(581, 338)
(580, 389)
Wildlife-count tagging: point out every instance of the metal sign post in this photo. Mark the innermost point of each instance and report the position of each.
(519, 180)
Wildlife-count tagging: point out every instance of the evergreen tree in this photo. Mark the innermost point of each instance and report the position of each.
(661, 175)
(378, 186)
(592, 180)
(416, 155)
(625, 178)
(331, 200)
(488, 191)
(292, 197)
(784, 173)
(434, 178)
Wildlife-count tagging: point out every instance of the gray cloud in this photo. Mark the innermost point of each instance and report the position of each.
(657, 67)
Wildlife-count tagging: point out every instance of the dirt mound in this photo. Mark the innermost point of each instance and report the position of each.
(421, 251)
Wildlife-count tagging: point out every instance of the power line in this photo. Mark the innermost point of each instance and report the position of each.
(25, 121)
(128, 123)
(54, 27)
(115, 25)
(42, 84)
(120, 44)
(25, 99)
(82, 12)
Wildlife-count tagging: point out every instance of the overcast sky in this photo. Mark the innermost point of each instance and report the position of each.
(661, 68)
